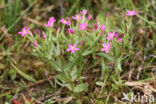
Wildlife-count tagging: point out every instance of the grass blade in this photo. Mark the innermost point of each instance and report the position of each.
(26, 76)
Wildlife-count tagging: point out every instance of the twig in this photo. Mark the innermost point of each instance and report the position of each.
(139, 84)
(46, 74)
(140, 68)
(33, 21)
(40, 81)
(4, 31)
(108, 96)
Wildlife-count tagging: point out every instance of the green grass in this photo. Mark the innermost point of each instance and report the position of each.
(10, 12)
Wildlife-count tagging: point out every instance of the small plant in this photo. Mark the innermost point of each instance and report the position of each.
(77, 42)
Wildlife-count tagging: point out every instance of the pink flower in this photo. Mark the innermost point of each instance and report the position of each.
(102, 28)
(72, 48)
(71, 31)
(25, 31)
(89, 17)
(106, 47)
(119, 40)
(52, 19)
(44, 36)
(83, 26)
(131, 13)
(35, 43)
(63, 21)
(111, 35)
(107, 15)
(83, 12)
(96, 26)
(51, 22)
(81, 42)
(77, 17)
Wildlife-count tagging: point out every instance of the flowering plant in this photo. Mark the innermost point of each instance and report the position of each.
(80, 44)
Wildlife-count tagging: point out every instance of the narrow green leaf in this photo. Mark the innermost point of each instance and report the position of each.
(55, 66)
(58, 51)
(10, 12)
(74, 73)
(5, 11)
(118, 64)
(99, 83)
(17, 7)
(87, 52)
(26, 76)
(63, 78)
(68, 85)
(107, 56)
(81, 87)
(69, 66)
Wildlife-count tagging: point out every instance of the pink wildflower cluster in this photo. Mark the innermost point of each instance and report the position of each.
(82, 23)
(107, 46)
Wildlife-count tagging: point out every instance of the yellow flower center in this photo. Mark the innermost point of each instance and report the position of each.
(83, 27)
(106, 47)
(72, 47)
(131, 13)
(24, 31)
(111, 35)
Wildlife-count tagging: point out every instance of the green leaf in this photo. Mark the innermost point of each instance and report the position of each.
(55, 66)
(87, 52)
(107, 56)
(103, 66)
(99, 83)
(12, 74)
(69, 86)
(50, 102)
(118, 64)
(67, 100)
(63, 78)
(69, 66)
(58, 51)
(74, 73)
(81, 87)
(26, 76)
